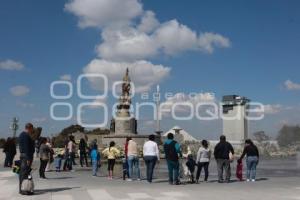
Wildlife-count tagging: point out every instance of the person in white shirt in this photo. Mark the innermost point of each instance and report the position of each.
(203, 159)
(151, 156)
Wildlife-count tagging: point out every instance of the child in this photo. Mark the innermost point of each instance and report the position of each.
(191, 163)
(95, 156)
(57, 162)
(239, 170)
(111, 153)
(125, 169)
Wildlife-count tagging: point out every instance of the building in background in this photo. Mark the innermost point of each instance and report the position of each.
(235, 123)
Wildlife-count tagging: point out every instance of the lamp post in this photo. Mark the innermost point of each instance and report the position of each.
(157, 99)
(14, 126)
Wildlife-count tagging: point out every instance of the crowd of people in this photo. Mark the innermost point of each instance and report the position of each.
(223, 154)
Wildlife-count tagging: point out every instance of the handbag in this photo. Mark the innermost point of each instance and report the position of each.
(27, 185)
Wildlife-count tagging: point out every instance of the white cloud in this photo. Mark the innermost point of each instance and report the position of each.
(143, 74)
(183, 98)
(19, 90)
(127, 44)
(39, 119)
(25, 104)
(148, 22)
(11, 65)
(97, 101)
(66, 77)
(101, 13)
(208, 41)
(174, 37)
(131, 35)
(170, 38)
(273, 109)
(289, 85)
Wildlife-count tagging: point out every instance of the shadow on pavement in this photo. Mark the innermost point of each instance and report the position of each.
(43, 191)
(60, 178)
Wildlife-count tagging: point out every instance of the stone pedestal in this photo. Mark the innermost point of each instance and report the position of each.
(122, 127)
(120, 140)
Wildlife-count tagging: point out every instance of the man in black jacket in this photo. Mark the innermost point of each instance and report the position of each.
(221, 153)
(26, 145)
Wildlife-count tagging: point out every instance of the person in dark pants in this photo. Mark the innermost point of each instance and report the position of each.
(172, 150)
(222, 155)
(191, 165)
(44, 157)
(151, 156)
(82, 150)
(26, 145)
(203, 158)
(252, 159)
(10, 151)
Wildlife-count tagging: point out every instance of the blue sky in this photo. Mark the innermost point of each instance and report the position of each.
(255, 44)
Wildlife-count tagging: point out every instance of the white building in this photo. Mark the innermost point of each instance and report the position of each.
(180, 135)
(235, 124)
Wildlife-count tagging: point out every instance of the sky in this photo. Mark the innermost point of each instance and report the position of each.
(209, 48)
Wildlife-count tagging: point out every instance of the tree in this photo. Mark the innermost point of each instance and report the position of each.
(60, 140)
(261, 136)
(289, 135)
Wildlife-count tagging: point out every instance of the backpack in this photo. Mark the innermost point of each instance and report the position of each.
(170, 151)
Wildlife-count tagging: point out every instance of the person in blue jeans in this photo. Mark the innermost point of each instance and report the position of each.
(252, 159)
(95, 156)
(172, 151)
(151, 156)
(133, 159)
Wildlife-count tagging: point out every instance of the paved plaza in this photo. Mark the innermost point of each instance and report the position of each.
(276, 180)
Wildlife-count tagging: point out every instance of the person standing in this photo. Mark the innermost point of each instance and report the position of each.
(133, 159)
(6, 151)
(51, 158)
(111, 153)
(252, 153)
(10, 151)
(71, 151)
(44, 157)
(173, 151)
(82, 152)
(95, 156)
(151, 156)
(203, 159)
(126, 157)
(223, 153)
(26, 147)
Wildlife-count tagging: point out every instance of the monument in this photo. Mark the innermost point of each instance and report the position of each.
(124, 124)
(235, 123)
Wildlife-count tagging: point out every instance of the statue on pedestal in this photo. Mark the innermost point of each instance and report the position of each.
(124, 123)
